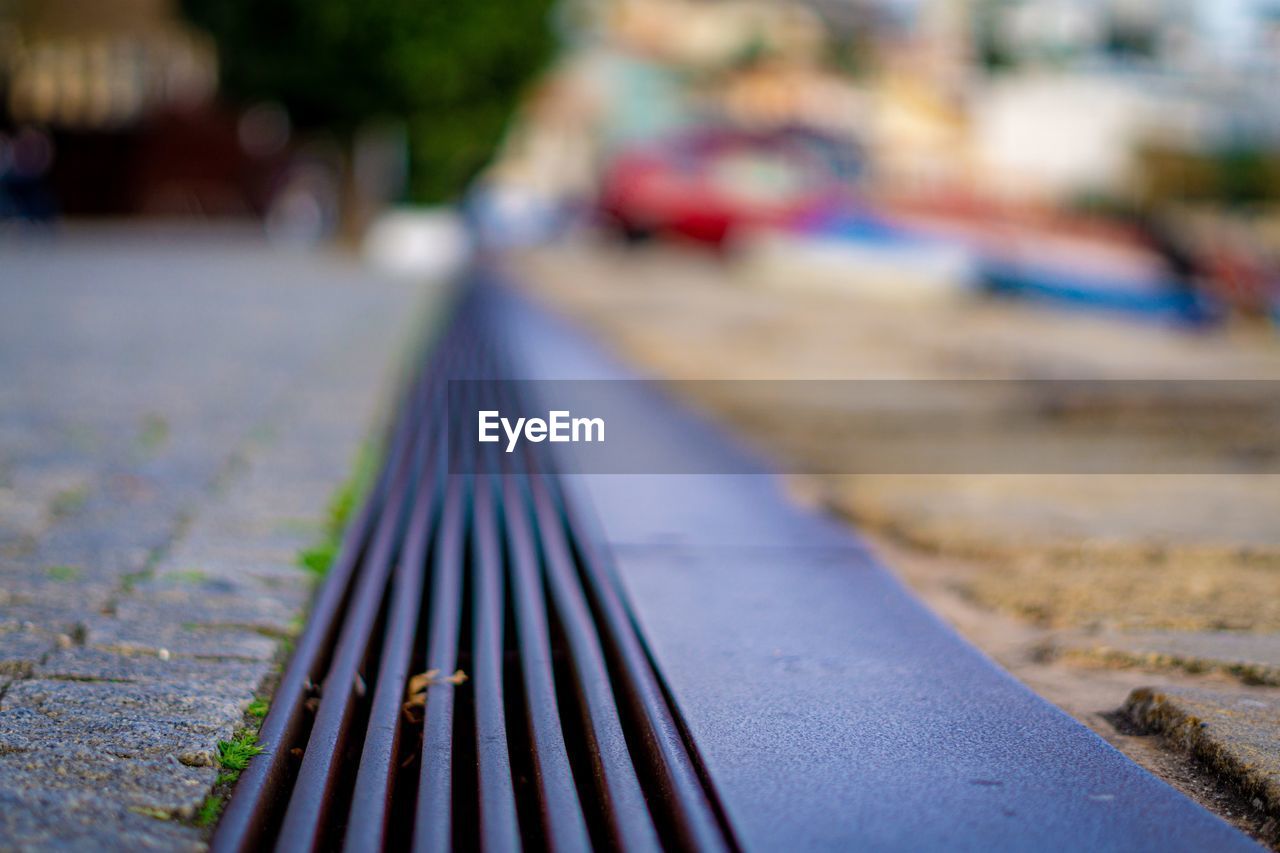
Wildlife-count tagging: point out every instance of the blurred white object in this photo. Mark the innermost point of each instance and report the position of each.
(511, 215)
(1044, 135)
(428, 243)
(908, 272)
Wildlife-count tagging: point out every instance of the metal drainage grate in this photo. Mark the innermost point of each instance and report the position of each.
(559, 737)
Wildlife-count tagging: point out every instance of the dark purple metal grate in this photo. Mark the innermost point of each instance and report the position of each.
(560, 736)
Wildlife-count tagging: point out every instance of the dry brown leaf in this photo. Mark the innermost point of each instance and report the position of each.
(414, 707)
(421, 681)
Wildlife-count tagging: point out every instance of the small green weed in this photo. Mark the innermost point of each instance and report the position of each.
(210, 810)
(345, 498)
(319, 557)
(132, 579)
(153, 433)
(234, 754)
(186, 576)
(63, 573)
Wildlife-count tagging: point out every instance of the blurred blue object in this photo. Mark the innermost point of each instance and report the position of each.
(1158, 299)
(859, 226)
(1029, 275)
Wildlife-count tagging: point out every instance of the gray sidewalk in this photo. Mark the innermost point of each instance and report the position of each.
(175, 413)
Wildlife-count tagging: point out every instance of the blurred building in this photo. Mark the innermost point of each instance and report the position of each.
(101, 65)
(118, 96)
(714, 34)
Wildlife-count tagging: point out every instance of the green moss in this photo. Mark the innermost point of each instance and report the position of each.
(345, 498)
(154, 433)
(234, 754)
(62, 573)
(210, 810)
(319, 557)
(132, 579)
(187, 576)
(340, 506)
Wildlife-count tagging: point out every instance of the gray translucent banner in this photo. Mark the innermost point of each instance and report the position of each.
(867, 426)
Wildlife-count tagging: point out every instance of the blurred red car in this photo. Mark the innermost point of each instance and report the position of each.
(707, 184)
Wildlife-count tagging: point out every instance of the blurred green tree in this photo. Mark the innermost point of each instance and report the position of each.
(452, 70)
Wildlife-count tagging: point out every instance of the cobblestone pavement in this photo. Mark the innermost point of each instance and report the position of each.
(175, 412)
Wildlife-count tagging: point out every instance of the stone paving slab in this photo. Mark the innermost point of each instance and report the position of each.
(1252, 658)
(123, 719)
(176, 410)
(85, 664)
(1236, 735)
(82, 824)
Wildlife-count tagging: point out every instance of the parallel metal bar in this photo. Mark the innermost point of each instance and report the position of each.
(697, 823)
(683, 795)
(433, 821)
(562, 818)
(626, 811)
(526, 552)
(372, 796)
(310, 802)
(499, 825)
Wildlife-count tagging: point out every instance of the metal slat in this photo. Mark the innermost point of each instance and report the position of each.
(372, 797)
(621, 795)
(688, 815)
(696, 821)
(433, 819)
(561, 812)
(693, 819)
(499, 826)
(311, 799)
